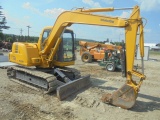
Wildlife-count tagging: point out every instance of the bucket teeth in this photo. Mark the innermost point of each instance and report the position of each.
(124, 97)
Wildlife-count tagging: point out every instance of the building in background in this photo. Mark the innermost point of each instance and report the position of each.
(153, 46)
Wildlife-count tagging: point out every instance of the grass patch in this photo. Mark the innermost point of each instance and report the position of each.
(154, 52)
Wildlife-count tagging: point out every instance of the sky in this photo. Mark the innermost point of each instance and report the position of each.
(40, 13)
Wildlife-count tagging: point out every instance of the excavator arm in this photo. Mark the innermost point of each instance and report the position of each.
(125, 96)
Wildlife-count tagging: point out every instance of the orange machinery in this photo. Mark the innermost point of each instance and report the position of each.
(90, 51)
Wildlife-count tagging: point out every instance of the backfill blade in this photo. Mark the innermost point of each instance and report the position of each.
(71, 87)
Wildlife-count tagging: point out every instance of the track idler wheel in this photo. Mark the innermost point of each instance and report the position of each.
(124, 97)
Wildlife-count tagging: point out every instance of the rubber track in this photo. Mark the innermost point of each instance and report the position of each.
(51, 79)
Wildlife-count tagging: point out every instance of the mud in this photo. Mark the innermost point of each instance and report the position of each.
(18, 102)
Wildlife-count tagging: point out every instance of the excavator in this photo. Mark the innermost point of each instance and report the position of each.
(44, 64)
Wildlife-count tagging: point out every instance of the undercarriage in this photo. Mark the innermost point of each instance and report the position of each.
(65, 81)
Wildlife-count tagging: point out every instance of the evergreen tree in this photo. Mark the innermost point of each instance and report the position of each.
(2, 21)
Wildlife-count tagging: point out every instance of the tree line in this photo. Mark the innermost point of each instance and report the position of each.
(6, 40)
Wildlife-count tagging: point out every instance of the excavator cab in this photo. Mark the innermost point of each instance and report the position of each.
(66, 51)
(65, 54)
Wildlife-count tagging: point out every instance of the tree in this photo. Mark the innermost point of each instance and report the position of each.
(9, 39)
(1, 36)
(1, 44)
(2, 21)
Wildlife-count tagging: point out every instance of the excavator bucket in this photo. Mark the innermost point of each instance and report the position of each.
(71, 87)
(124, 97)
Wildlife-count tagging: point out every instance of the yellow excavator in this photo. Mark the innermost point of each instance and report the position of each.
(55, 50)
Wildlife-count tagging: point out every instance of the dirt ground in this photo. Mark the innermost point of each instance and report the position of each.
(18, 102)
